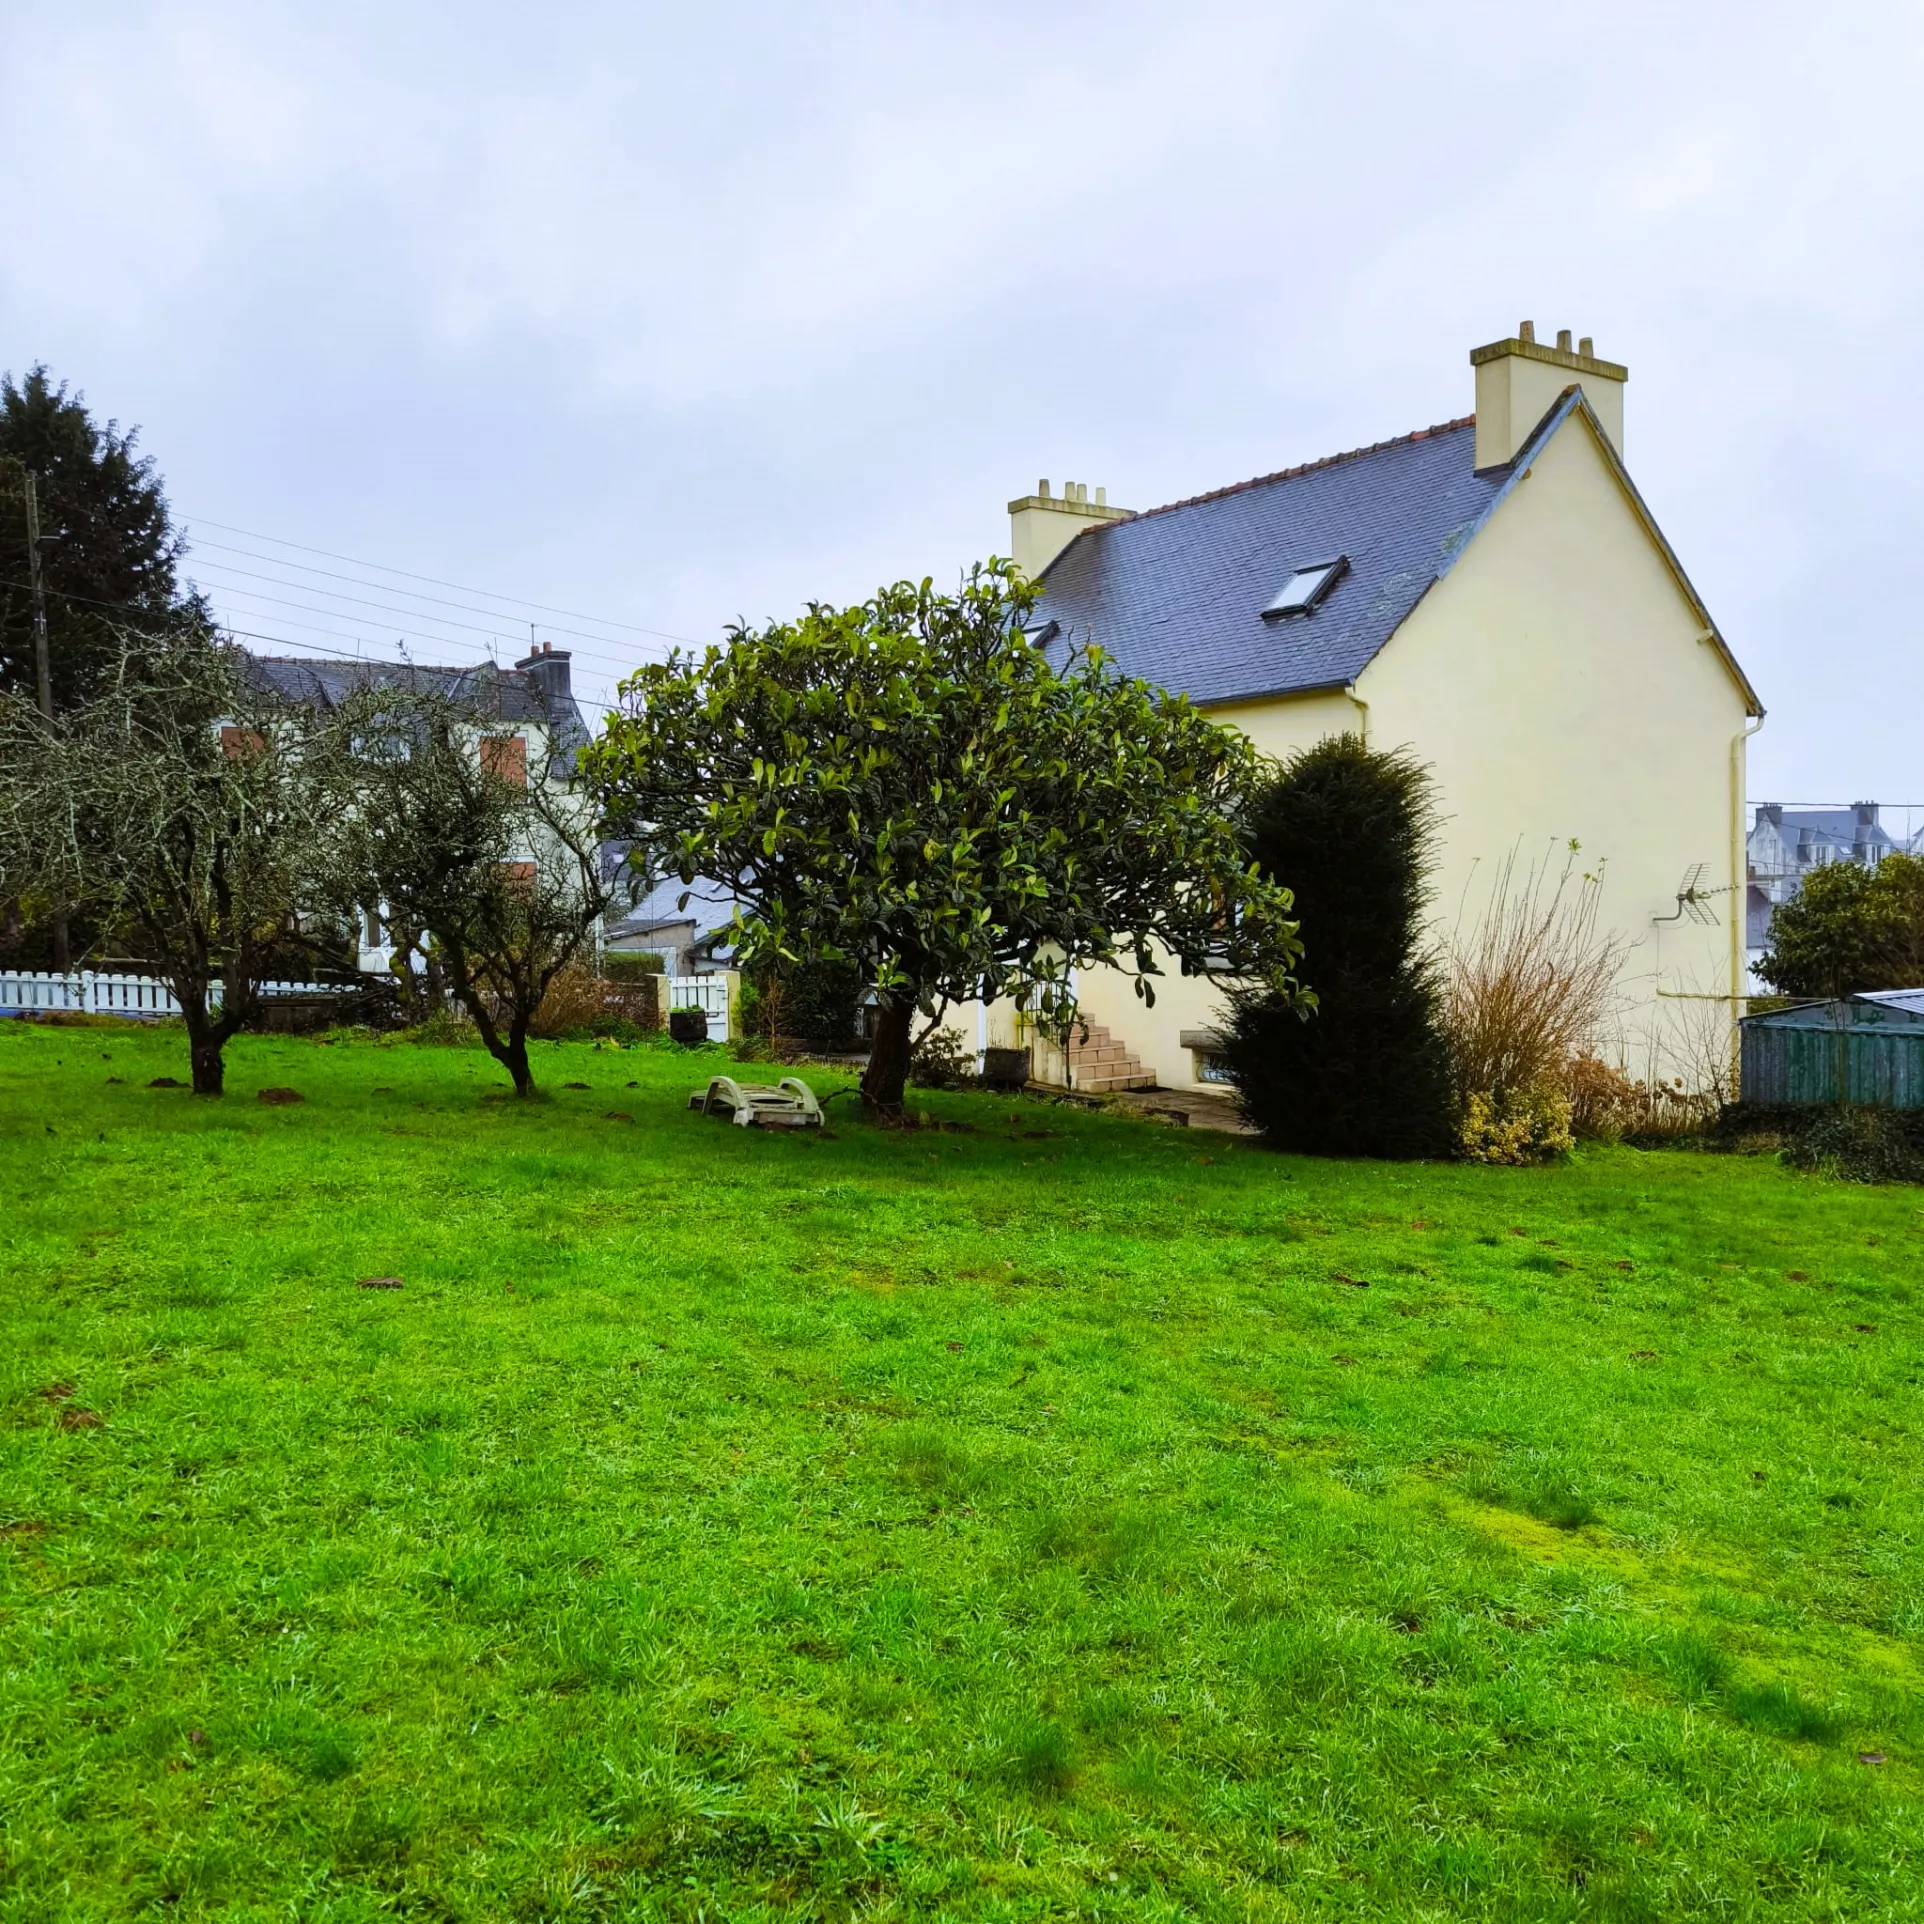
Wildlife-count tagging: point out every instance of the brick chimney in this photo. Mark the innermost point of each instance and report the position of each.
(549, 673)
(1042, 524)
(1518, 381)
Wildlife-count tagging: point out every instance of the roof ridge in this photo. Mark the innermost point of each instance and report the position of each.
(1290, 474)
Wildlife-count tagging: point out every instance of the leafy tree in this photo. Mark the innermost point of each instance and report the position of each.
(910, 789)
(178, 806)
(1367, 1071)
(492, 861)
(109, 551)
(1850, 929)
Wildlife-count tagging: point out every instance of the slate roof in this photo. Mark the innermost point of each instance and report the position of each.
(495, 694)
(1176, 595)
(1836, 828)
(710, 910)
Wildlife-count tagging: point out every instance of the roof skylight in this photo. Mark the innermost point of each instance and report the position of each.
(1306, 587)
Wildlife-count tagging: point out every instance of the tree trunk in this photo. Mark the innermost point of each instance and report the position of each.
(511, 1052)
(204, 1044)
(887, 1074)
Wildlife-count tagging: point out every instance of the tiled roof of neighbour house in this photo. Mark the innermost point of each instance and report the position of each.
(1176, 595)
(495, 694)
(1837, 825)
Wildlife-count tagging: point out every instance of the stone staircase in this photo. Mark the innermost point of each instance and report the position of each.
(1099, 1063)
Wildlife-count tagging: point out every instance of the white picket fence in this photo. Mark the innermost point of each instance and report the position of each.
(93, 992)
(709, 993)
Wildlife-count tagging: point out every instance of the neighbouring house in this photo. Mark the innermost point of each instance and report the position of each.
(1785, 844)
(693, 937)
(527, 717)
(1493, 593)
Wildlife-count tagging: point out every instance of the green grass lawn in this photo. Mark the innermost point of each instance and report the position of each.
(1058, 1517)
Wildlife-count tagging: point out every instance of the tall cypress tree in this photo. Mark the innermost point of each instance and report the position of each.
(109, 550)
(1350, 830)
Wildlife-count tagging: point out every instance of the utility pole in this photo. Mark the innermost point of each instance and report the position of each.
(43, 678)
(42, 662)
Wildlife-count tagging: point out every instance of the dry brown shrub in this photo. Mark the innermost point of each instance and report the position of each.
(574, 1001)
(1532, 986)
(1604, 1102)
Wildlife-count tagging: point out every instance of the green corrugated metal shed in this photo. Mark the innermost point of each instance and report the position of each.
(1860, 1048)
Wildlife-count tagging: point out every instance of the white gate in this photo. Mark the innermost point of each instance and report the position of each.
(708, 993)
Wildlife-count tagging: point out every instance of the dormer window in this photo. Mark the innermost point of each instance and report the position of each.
(1306, 587)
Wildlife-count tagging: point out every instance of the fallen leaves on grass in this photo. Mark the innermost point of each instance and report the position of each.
(279, 1098)
(574, 1085)
(1643, 1356)
(379, 1282)
(166, 1082)
(75, 1418)
(1349, 1282)
(617, 1115)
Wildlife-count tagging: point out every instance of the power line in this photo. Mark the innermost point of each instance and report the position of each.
(616, 663)
(493, 632)
(541, 607)
(333, 574)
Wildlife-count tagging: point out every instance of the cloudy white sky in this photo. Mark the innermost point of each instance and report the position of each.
(670, 314)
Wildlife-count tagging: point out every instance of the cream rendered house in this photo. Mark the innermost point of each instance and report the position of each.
(1491, 593)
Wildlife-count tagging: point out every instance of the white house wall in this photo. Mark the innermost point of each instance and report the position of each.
(1559, 683)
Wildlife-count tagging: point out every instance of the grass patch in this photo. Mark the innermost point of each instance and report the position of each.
(1063, 1517)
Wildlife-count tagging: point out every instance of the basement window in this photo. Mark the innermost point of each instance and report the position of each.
(1306, 587)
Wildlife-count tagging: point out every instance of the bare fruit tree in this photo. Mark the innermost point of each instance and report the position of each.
(460, 831)
(186, 811)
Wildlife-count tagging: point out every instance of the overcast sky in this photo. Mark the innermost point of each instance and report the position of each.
(670, 314)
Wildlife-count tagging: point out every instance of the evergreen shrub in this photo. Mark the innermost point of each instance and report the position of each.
(1348, 830)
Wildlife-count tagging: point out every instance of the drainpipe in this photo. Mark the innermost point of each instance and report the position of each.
(1740, 892)
(1362, 713)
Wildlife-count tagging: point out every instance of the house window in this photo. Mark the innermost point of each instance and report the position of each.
(1211, 1068)
(507, 757)
(371, 931)
(1306, 587)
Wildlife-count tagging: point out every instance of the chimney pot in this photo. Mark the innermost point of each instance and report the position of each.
(1042, 488)
(1587, 348)
(1518, 382)
(1102, 497)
